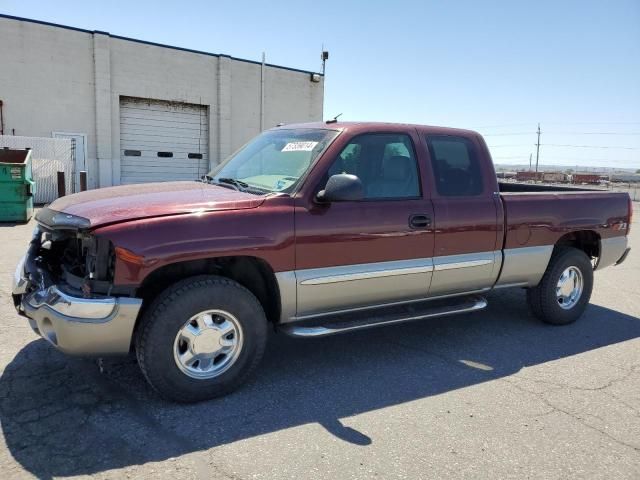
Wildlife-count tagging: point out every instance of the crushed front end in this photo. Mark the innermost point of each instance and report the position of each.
(63, 285)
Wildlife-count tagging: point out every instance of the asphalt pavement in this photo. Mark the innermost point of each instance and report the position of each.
(494, 394)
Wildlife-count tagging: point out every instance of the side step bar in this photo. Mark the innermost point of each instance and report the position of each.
(384, 316)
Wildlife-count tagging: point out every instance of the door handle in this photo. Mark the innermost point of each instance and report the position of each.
(419, 221)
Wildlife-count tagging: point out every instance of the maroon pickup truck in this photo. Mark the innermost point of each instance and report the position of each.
(314, 229)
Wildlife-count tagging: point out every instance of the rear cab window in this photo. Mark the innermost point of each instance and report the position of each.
(456, 166)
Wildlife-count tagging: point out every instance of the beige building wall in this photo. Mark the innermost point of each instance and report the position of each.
(55, 78)
(47, 81)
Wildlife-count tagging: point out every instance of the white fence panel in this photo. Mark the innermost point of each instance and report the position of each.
(49, 156)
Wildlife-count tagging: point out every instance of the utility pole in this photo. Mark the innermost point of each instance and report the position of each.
(262, 92)
(538, 149)
(530, 156)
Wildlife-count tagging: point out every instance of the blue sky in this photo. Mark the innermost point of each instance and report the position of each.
(499, 67)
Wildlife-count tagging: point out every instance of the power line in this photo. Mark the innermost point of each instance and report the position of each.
(589, 146)
(507, 125)
(558, 133)
(565, 145)
(593, 123)
(593, 133)
(506, 134)
(510, 145)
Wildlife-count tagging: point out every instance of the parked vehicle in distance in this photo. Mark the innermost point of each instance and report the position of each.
(314, 229)
(555, 177)
(586, 178)
(528, 176)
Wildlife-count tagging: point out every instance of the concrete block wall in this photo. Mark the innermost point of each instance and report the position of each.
(56, 78)
(47, 82)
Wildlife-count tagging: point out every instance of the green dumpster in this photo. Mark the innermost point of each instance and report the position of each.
(16, 185)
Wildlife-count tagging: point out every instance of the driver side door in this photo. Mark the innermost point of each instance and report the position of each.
(358, 254)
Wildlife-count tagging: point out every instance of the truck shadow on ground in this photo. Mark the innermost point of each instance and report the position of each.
(62, 416)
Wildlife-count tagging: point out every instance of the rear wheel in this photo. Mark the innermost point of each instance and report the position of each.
(201, 338)
(565, 289)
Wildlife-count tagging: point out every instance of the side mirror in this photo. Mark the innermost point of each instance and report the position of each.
(341, 188)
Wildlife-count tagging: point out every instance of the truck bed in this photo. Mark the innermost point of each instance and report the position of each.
(536, 215)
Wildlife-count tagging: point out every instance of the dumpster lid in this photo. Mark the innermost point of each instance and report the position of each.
(14, 156)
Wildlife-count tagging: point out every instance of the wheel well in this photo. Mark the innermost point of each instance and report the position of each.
(586, 240)
(253, 273)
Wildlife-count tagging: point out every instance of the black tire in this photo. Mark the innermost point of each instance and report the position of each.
(542, 299)
(170, 311)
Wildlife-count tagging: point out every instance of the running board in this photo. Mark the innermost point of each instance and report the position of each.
(348, 322)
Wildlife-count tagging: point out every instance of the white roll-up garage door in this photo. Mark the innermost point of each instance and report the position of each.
(162, 141)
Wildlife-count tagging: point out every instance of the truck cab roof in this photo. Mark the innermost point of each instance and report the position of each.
(369, 127)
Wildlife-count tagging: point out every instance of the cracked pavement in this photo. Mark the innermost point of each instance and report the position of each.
(494, 394)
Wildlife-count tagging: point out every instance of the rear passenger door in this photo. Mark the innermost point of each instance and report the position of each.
(466, 255)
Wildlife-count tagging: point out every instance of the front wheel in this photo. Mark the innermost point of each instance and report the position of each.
(201, 338)
(565, 289)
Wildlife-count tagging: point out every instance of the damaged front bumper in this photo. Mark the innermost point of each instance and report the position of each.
(74, 324)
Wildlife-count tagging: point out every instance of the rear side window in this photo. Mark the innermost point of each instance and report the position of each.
(456, 166)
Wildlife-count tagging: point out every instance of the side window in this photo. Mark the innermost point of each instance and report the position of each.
(385, 163)
(455, 165)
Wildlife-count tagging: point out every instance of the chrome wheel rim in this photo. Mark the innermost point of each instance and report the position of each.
(569, 287)
(208, 344)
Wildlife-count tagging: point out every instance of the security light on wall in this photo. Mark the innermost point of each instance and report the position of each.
(324, 57)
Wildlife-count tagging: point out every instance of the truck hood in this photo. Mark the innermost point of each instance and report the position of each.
(130, 202)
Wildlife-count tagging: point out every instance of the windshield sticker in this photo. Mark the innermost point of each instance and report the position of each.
(299, 146)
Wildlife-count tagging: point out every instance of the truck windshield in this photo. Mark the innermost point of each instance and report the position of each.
(273, 161)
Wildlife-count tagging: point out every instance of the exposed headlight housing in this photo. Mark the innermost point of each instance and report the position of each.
(61, 221)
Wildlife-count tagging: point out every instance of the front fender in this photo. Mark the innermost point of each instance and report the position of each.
(142, 246)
